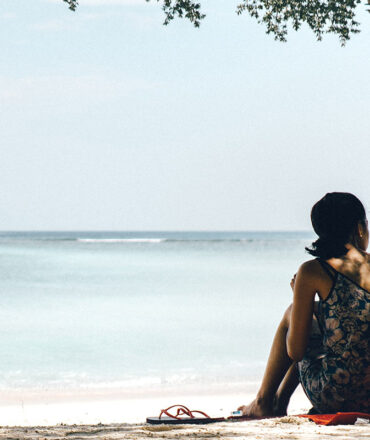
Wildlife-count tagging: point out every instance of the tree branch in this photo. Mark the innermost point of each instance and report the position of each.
(182, 8)
(72, 4)
(322, 16)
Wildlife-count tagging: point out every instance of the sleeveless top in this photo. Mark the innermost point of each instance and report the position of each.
(333, 370)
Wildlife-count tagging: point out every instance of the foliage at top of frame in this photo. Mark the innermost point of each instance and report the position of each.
(182, 8)
(72, 4)
(322, 16)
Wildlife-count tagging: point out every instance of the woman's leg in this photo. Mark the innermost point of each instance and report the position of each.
(285, 390)
(280, 378)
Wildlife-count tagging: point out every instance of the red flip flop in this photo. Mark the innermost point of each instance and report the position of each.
(182, 416)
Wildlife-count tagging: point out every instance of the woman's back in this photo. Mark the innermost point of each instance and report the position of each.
(355, 266)
(335, 372)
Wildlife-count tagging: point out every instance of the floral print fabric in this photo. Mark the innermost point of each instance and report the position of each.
(333, 370)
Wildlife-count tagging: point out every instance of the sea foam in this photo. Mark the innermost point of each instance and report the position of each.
(121, 240)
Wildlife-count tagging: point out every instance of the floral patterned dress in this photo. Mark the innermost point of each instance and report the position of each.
(333, 370)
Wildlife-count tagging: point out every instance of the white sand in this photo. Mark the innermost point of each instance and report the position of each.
(113, 414)
(117, 405)
(282, 428)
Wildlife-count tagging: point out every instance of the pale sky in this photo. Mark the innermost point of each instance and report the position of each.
(111, 121)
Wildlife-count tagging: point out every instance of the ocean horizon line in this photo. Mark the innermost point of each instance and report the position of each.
(151, 237)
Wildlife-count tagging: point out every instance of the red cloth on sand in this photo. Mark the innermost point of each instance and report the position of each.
(340, 418)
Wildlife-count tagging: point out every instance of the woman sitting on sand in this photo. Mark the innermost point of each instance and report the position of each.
(324, 344)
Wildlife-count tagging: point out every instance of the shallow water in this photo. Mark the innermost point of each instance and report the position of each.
(138, 309)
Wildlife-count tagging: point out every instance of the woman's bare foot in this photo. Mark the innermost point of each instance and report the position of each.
(258, 408)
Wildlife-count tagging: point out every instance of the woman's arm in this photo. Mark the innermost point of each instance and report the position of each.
(305, 288)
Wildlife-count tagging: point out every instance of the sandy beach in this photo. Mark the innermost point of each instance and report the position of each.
(288, 427)
(116, 414)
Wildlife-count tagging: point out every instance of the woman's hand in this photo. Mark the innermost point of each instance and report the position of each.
(292, 282)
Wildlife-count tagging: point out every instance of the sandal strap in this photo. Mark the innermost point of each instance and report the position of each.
(181, 410)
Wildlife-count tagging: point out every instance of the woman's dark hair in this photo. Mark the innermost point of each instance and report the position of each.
(334, 219)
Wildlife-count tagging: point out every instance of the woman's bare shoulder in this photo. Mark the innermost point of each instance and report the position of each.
(310, 268)
(315, 275)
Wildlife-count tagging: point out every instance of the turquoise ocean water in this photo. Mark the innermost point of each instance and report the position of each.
(135, 309)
